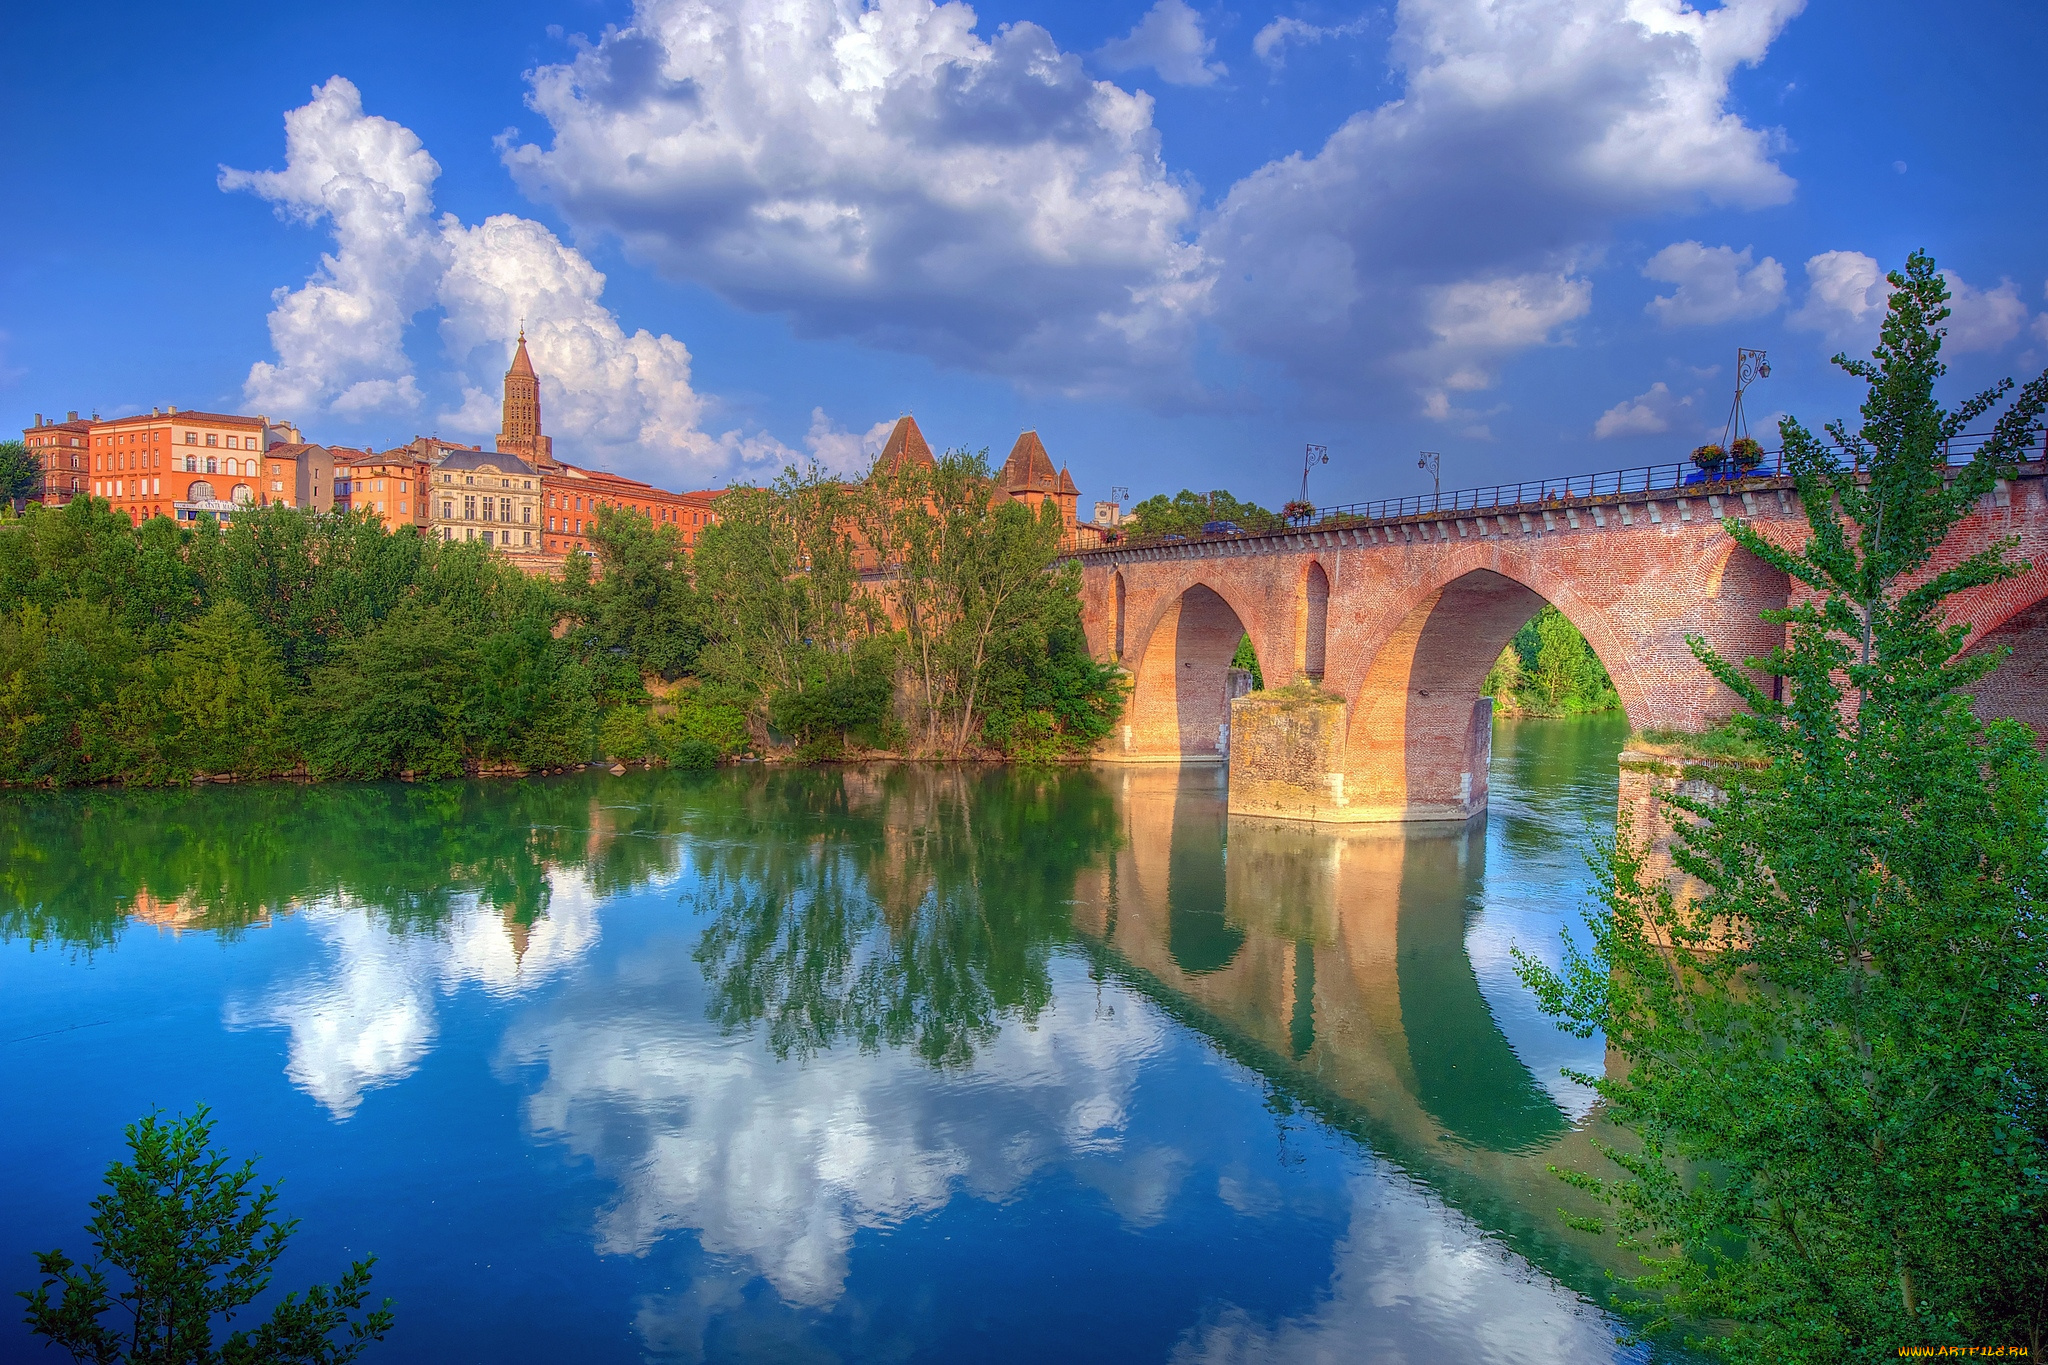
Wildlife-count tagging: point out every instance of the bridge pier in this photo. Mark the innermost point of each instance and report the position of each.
(1290, 759)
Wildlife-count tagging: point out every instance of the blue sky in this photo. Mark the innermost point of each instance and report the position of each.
(1180, 241)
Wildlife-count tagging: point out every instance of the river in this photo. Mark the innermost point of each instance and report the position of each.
(850, 1064)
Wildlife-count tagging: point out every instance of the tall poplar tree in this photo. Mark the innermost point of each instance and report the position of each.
(1834, 1061)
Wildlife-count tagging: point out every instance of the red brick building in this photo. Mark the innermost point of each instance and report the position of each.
(62, 450)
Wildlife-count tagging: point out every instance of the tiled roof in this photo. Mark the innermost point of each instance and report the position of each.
(1067, 483)
(520, 363)
(906, 445)
(291, 450)
(1029, 469)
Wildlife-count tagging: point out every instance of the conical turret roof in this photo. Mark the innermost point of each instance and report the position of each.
(1029, 469)
(521, 364)
(906, 445)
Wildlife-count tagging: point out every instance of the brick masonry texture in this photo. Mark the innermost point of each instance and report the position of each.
(1418, 610)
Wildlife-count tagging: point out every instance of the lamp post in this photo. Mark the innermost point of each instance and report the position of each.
(1433, 462)
(1312, 455)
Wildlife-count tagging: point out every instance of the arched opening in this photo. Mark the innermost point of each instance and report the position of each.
(200, 491)
(2016, 687)
(1119, 618)
(1315, 621)
(1180, 700)
(243, 495)
(1742, 589)
(1422, 730)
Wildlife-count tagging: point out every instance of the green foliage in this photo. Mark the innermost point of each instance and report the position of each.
(993, 652)
(21, 475)
(641, 603)
(625, 733)
(1548, 669)
(1186, 512)
(701, 728)
(839, 699)
(192, 1244)
(226, 686)
(1836, 1059)
(152, 654)
(1247, 658)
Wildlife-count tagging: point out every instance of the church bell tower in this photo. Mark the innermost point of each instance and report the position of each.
(521, 433)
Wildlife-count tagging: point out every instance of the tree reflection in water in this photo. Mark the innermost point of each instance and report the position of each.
(921, 911)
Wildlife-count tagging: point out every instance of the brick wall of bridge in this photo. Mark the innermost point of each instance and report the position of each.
(1419, 609)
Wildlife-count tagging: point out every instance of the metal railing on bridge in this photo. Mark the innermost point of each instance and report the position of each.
(1681, 479)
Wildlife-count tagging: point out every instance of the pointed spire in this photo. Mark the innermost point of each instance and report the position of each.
(906, 445)
(1029, 469)
(520, 363)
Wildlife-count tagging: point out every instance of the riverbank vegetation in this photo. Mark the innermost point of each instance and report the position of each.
(914, 614)
(1548, 669)
(1835, 1059)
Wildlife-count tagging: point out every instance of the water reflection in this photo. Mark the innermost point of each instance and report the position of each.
(776, 1015)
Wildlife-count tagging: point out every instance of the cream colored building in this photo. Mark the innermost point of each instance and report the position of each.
(487, 495)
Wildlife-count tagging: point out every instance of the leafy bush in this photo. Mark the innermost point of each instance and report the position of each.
(625, 733)
(193, 1244)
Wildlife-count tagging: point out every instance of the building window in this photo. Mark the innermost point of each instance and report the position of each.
(487, 509)
(504, 509)
(526, 513)
(211, 464)
(487, 537)
(469, 509)
(233, 444)
(447, 511)
(529, 537)
(200, 491)
(191, 438)
(212, 439)
(277, 485)
(244, 495)
(469, 478)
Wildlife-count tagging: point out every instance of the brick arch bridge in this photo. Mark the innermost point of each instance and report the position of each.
(1399, 617)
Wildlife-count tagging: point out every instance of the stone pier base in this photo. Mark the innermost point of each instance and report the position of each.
(1287, 754)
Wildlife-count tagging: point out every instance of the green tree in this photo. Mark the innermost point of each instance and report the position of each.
(1186, 512)
(394, 700)
(21, 474)
(780, 589)
(195, 1244)
(641, 602)
(1836, 1058)
(227, 688)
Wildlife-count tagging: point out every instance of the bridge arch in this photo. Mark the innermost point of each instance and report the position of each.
(2018, 686)
(1179, 708)
(1420, 734)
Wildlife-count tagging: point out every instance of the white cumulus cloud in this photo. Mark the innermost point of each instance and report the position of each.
(880, 172)
(1169, 40)
(1524, 130)
(340, 338)
(1847, 292)
(1845, 298)
(1982, 319)
(1646, 414)
(846, 453)
(1715, 284)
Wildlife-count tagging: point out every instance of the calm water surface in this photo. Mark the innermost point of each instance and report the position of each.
(872, 1064)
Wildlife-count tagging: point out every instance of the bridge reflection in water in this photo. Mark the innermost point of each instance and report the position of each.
(1365, 971)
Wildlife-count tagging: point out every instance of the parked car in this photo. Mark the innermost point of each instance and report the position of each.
(1221, 528)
